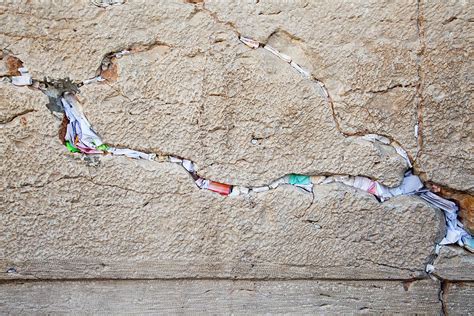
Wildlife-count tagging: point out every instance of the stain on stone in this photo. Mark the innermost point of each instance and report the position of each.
(111, 72)
(63, 129)
(463, 199)
(13, 64)
(23, 121)
(407, 285)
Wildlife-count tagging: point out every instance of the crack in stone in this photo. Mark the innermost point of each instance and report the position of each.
(385, 90)
(108, 71)
(442, 296)
(325, 93)
(420, 84)
(385, 264)
(16, 115)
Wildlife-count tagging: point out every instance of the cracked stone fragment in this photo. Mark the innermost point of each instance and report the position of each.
(455, 264)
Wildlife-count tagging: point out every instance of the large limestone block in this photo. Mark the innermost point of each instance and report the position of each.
(123, 213)
(448, 142)
(67, 216)
(195, 91)
(220, 297)
(385, 64)
(242, 116)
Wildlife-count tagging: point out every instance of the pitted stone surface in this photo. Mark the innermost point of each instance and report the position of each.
(61, 39)
(237, 95)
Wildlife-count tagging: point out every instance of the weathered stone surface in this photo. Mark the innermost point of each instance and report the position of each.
(365, 53)
(220, 297)
(454, 264)
(190, 88)
(372, 57)
(115, 210)
(448, 141)
(77, 219)
(214, 123)
(372, 65)
(459, 298)
(62, 39)
(23, 103)
(197, 92)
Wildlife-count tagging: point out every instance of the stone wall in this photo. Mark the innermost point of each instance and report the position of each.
(103, 233)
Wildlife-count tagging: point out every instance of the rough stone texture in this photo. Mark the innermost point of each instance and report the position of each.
(459, 298)
(200, 80)
(383, 65)
(220, 297)
(257, 236)
(448, 142)
(214, 123)
(374, 85)
(115, 209)
(191, 89)
(455, 264)
(365, 53)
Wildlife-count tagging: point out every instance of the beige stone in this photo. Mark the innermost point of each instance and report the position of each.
(383, 69)
(197, 92)
(372, 65)
(220, 297)
(212, 119)
(454, 264)
(365, 53)
(448, 142)
(190, 88)
(62, 210)
(459, 298)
